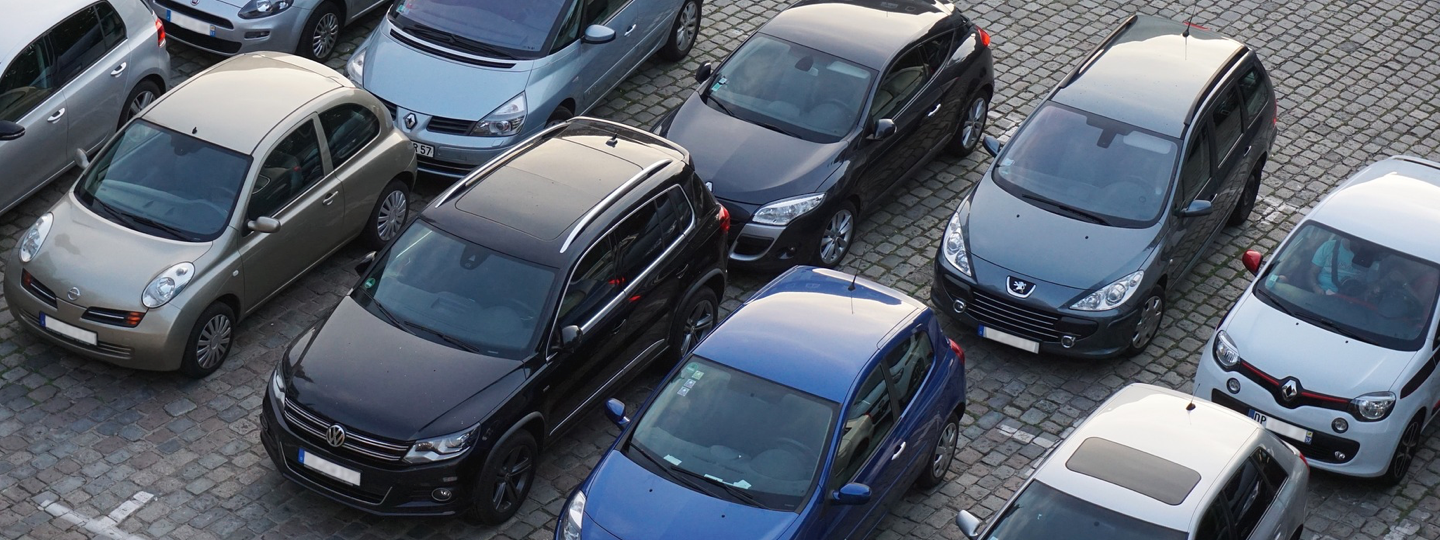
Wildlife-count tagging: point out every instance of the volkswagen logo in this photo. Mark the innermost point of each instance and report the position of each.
(1018, 288)
(1290, 389)
(410, 121)
(335, 435)
(73, 294)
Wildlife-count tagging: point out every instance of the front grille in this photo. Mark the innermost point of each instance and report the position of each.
(1015, 318)
(443, 167)
(203, 41)
(449, 125)
(1305, 398)
(195, 14)
(311, 426)
(100, 347)
(394, 111)
(1322, 446)
(113, 317)
(39, 290)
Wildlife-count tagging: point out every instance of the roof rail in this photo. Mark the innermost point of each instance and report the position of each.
(1095, 54)
(1215, 78)
(496, 162)
(610, 199)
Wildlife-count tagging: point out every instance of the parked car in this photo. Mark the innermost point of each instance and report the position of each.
(194, 215)
(806, 414)
(1155, 464)
(469, 80)
(1110, 192)
(542, 281)
(825, 109)
(309, 28)
(73, 71)
(1334, 345)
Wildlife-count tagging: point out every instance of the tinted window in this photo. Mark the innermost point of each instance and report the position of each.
(1248, 493)
(868, 420)
(791, 88)
(1195, 174)
(1229, 123)
(348, 128)
(599, 11)
(78, 43)
(1215, 525)
(1255, 91)
(569, 26)
(646, 233)
(1045, 512)
(905, 79)
(591, 286)
(493, 28)
(909, 363)
(26, 83)
(290, 170)
(111, 25)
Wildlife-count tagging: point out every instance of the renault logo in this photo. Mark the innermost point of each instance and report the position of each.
(1290, 389)
(410, 121)
(335, 435)
(1018, 288)
(73, 294)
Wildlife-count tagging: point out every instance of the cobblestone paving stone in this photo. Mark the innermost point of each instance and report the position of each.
(1357, 81)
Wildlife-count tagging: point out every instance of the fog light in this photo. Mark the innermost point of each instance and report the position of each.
(959, 306)
(1233, 385)
(1339, 456)
(442, 494)
(1339, 425)
(257, 35)
(1067, 341)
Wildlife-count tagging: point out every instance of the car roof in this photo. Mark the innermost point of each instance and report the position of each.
(809, 331)
(868, 32)
(23, 26)
(1154, 426)
(1404, 190)
(258, 91)
(528, 203)
(1149, 74)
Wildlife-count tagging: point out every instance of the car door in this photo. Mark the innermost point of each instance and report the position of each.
(588, 303)
(908, 364)
(649, 275)
(603, 64)
(1232, 155)
(28, 97)
(1184, 235)
(867, 444)
(940, 101)
(349, 130)
(1248, 497)
(293, 188)
(92, 68)
(653, 19)
(902, 97)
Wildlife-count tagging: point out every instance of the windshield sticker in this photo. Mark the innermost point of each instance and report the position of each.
(738, 483)
(672, 459)
(718, 83)
(689, 383)
(369, 283)
(698, 375)
(683, 390)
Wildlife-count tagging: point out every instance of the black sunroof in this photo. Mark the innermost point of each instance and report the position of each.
(1141, 472)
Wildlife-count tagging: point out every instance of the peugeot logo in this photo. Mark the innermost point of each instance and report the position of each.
(410, 121)
(1290, 389)
(335, 435)
(1018, 288)
(73, 294)
(194, 2)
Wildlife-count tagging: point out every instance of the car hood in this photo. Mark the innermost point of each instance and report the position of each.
(397, 73)
(78, 238)
(620, 487)
(1325, 362)
(748, 163)
(362, 372)
(1030, 240)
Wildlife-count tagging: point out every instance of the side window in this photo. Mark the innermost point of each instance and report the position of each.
(1195, 173)
(348, 128)
(1250, 491)
(290, 170)
(26, 83)
(569, 27)
(1228, 122)
(868, 420)
(937, 50)
(591, 286)
(1215, 525)
(909, 363)
(112, 27)
(648, 231)
(1255, 91)
(78, 43)
(599, 11)
(907, 76)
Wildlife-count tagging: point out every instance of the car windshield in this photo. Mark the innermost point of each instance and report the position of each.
(164, 183)
(792, 89)
(734, 435)
(458, 293)
(1352, 287)
(494, 28)
(1045, 512)
(1089, 167)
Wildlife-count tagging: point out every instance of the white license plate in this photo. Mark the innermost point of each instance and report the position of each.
(423, 149)
(189, 23)
(68, 330)
(329, 468)
(1010, 339)
(1282, 428)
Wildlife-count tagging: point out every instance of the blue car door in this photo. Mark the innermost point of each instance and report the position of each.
(868, 445)
(908, 364)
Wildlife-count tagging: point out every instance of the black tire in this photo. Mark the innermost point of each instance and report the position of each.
(388, 218)
(1298, 531)
(693, 321)
(1246, 204)
(1404, 455)
(211, 341)
(321, 33)
(140, 97)
(684, 32)
(837, 233)
(970, 128)
(942, 455)
(1147, 325)
(561, 114)
(499, 489)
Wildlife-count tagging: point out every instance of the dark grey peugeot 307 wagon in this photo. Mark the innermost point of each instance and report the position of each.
(1110, 192)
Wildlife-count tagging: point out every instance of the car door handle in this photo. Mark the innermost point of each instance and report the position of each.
(56, 117)
(898, 451)
(120, 69)
(934, 109)
(629, 30)
(1247, 151)
(619, 326)
(329, 198)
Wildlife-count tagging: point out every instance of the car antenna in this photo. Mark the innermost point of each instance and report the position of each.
(1191, 405)
(853, 277)
(1190, 22)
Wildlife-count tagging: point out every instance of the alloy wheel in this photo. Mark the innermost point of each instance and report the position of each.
(689, 26)
(945, 449)
(391, 217)
(138, 104)
(327, 31)
(835, 240)
(1149, 322)
(973, 127)
(1405, 451)
(214, 341)
(697, 325)
(512, 479)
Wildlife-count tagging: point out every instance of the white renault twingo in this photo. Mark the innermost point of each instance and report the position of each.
(1334, 345)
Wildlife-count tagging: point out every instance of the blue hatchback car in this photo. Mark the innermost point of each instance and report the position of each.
(806, 414)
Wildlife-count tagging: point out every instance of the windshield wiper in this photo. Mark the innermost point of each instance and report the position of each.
(775, 128)
(456, 40)
(718, 103)
(737, 492)
(447, 338)
(1069, 209)
(131, 220)
(1336, 328)
(177, 233)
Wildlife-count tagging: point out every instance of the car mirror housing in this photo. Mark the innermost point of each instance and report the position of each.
(884, 128)
(1252, 260)
(365, 262)
(992, 146)
(703, 72)
(968, 523)
(598, 34)
(852, 494)
(10, 131)
(1196, 209)
(615, 411)
(570, 337)
(263, 225)
(81, 159)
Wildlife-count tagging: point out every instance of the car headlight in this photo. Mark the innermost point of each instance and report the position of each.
(1112, 295)
(781, 213)
(35, 237)
(504, 121)
(1225, 352)
(355, 68)
(440, 448)
(168, 284)
(264, 8)
(573, 518)
(277, 385)
(1373, 407)
(956, 252)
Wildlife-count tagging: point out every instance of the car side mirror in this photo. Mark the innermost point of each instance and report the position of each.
(365, 262)
(968, 523)
(884, 129)
(703, 72)
(10, 131)
(597, 34)
(1252, 260)
(570, 337)
(992, 146)
(851, 494)
(615, 411)
(81, 159)
(1196, 209)
(263, 225)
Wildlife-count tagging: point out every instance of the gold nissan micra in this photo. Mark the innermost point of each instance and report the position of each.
(204, 206)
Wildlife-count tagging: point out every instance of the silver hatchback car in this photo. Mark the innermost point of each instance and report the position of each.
(73, 72)
(309, 28)
(1155, 464)
(467, 80)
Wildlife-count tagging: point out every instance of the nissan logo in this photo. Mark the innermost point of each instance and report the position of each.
(410, 121)
(73, 294)
(1290, 389)
(1018, 288)
(335, 435)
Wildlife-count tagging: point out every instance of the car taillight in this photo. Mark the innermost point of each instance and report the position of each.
(1275, 119)
(724, 220)
(984, 36)
(959, 353)
(160, 32)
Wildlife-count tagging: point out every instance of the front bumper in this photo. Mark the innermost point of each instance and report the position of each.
(229, 34)
(455, 155)
(769, 248)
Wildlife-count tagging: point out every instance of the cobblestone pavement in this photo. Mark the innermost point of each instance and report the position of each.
(1357, 81)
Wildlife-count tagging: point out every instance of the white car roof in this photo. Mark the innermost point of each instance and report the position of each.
(1388, 203)
(1145, 438)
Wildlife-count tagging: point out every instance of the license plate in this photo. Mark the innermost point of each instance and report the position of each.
(1010, 339)
(329, 468)
(191, 24)
(1282, 428)
(68, 330)
(423, 149)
